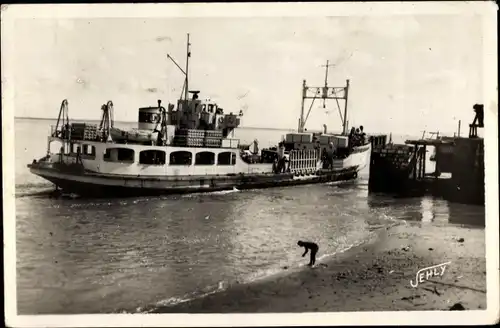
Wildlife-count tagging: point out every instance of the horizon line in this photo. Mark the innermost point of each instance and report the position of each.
(96, 120)
(241, 127)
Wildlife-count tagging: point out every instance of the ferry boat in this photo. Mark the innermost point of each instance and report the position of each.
(191, 147)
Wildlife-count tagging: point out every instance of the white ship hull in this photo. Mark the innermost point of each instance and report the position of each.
(93, 176)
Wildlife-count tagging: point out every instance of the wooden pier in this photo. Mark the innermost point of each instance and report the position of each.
(400, 169)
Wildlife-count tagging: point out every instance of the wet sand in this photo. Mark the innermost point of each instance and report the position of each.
(372, 277)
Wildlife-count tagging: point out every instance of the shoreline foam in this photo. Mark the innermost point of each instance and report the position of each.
(266, 275)
(374, 276)
(255, 279)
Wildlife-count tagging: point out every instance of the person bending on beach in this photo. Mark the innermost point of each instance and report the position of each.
(309, 246)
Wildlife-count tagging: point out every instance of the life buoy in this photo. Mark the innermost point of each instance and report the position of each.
(221, 120)
(355, 175)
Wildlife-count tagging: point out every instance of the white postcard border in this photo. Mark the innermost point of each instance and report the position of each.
(486, 9)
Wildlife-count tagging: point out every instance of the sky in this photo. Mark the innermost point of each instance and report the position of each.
(407, 73)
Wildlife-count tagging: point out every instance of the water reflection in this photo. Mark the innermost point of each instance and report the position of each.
(469, 215)
(103, 256)
(90, 249)
(407, 208)
(427, 210)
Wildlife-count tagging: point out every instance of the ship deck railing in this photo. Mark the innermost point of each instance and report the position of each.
(303, 160)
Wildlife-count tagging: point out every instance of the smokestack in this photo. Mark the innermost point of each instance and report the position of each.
(324, 128)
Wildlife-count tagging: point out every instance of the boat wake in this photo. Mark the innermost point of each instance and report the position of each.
(33, 189)
(341, 183)
(221, 192)
(224, 192)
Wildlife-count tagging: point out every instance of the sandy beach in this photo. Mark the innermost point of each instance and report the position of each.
(372, 277)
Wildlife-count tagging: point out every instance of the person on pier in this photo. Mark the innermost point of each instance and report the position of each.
(309, 246)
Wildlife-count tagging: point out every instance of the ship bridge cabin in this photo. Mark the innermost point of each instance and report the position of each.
(195, 114)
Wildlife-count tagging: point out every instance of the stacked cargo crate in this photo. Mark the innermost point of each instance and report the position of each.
(213, 138)
(90, 132)
(398, 155)
(230, 143)
(401, 157)
(189, 138)
(198, 138)
(299, 137)
(77, 131)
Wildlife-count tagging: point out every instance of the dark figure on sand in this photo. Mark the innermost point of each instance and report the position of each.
(309, 246)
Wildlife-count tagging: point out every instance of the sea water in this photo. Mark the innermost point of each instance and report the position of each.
(133, 254)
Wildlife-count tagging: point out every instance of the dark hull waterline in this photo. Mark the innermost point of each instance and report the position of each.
(99, 187)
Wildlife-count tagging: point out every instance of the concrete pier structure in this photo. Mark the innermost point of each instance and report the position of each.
(467, 176)
(401, 169)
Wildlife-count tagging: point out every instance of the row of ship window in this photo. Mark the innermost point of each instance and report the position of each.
(158, 157)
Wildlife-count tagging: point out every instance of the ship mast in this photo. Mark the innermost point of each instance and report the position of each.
(186, 72)
(301, 119)
(345, 122)
(188, 55)
(326, 82)
(325, 93)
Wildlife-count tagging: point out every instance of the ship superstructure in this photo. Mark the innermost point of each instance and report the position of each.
(189, 146)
